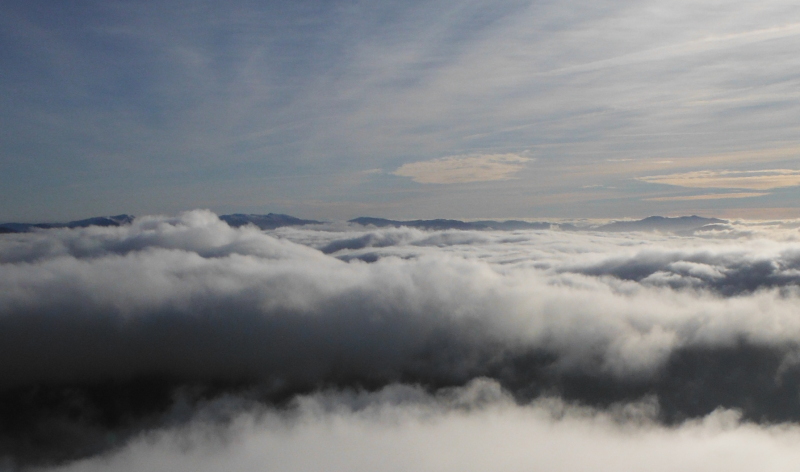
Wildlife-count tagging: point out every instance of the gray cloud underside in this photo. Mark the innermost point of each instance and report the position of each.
(105, 331)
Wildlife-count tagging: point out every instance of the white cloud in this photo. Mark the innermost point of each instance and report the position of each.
(477, 428)
(463, 169)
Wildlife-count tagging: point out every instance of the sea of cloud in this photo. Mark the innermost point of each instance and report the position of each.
(182, 343)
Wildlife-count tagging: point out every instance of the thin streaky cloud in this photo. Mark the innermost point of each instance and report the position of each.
(752, 180)
(464, 169)
(710, 196)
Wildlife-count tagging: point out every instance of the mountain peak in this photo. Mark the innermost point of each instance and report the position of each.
(268, 221)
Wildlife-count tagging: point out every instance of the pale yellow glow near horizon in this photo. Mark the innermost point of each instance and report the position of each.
(463, 169)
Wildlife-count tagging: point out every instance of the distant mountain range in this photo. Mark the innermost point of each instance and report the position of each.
(451, 224)
(117, 220)
(653, 223)
(680, 224)
(660, 223)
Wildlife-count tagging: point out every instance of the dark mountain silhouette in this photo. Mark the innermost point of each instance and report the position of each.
(660, 223)
(681, 224)
(442, 224)
(117, 220)
(653, 223)
(268, 221)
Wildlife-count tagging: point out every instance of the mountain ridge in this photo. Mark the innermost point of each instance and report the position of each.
(651, 223)
(105, 221)
(269, 221)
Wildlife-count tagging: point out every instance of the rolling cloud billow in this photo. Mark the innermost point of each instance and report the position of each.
(355, 346)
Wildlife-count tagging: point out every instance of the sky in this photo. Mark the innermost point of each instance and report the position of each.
(413, 109)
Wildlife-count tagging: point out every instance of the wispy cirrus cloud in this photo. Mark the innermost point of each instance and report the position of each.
(749, 179)
(464, 169)
(707, 196)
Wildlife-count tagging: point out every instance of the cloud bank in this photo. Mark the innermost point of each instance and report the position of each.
(128, 338)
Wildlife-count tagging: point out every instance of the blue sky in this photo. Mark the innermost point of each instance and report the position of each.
(460, 109)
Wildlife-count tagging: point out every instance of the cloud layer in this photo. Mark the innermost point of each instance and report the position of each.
(108, 332)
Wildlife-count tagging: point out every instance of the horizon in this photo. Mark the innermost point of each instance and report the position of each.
(542, 219)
